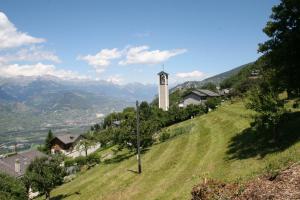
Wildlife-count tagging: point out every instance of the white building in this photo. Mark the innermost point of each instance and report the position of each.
(197, 97)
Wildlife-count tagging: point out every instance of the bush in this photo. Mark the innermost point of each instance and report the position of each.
(81, 160)
(93, 158)
(212, 103)
(11, 188)
(165, 135)
(70, 162)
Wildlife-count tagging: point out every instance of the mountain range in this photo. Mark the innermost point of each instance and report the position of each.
(32, 105)
(217, 79)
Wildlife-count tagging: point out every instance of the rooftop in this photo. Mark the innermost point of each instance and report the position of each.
(162, 72)
(204, 93)
(68, 138)
(7, 165)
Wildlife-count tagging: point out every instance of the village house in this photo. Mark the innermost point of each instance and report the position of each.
(16, 165)
(69, 145)
(197, 97)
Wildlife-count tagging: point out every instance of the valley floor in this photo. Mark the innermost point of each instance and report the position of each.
(219, 145)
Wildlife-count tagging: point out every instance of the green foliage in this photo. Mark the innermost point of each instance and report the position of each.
(269, 107)
(80, 160)
(93, 159)
(69, 162)
(85, 143)
(282, 50)
(212, 103)
(48, 140)
(152, 119)
(44, 174)
(240, 82)
(164, 135)
(11, 188)
(210, 86)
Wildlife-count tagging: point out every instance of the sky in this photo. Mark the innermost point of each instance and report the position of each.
(129, 41)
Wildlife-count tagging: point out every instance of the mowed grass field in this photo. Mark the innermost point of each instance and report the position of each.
(217, 145)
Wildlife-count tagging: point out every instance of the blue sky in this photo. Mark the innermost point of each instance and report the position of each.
(128, 41)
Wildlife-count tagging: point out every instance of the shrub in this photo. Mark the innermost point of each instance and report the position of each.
(11, 188)
(69, 163)
(165, 135)
(93, 158)
(81, 160)
(212, 103)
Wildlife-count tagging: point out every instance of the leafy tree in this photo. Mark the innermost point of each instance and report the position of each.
(212, 102)
(48, 140)
(145, 111)
(265, 101)
(240, 82)
(85, 143)
(11, 188)
(44, 174)
(282, 50)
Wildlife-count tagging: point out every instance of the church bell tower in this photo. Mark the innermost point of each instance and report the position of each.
(163, 91)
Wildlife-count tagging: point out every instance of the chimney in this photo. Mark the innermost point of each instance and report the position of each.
(17, 166)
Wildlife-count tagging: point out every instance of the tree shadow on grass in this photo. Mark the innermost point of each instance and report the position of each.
(251, 143)
(133, 171)
(118, 158)
(123, 156)
(63, 196)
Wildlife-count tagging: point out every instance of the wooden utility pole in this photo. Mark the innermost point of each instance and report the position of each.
(138, 137)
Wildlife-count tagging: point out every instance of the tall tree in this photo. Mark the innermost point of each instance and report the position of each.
(282, 50)
(269, 107)
(44, 174)
(48, 140)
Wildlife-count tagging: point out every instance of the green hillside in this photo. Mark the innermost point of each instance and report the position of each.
(217, 145)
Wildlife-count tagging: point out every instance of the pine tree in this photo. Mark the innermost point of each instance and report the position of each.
(48, 140)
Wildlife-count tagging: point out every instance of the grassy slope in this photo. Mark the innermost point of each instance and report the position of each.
(172, 168)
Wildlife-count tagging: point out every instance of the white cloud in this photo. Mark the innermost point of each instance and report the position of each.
(102, 59)
(141, 55)
(38, 69)
(30, 54)
(194, 74)
(116, 79)
(10, 37)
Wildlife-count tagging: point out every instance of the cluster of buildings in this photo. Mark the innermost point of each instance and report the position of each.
(196, 97)
(67, 144)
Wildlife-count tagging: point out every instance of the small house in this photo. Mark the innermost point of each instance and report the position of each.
(65, 144)
(69, 145)
(197, 97)
(16, 165)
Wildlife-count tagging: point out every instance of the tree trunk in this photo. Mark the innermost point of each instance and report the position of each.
(47, 193)
(275, 132)
(86, 152)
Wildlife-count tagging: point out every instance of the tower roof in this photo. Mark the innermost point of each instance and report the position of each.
(162, 72)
